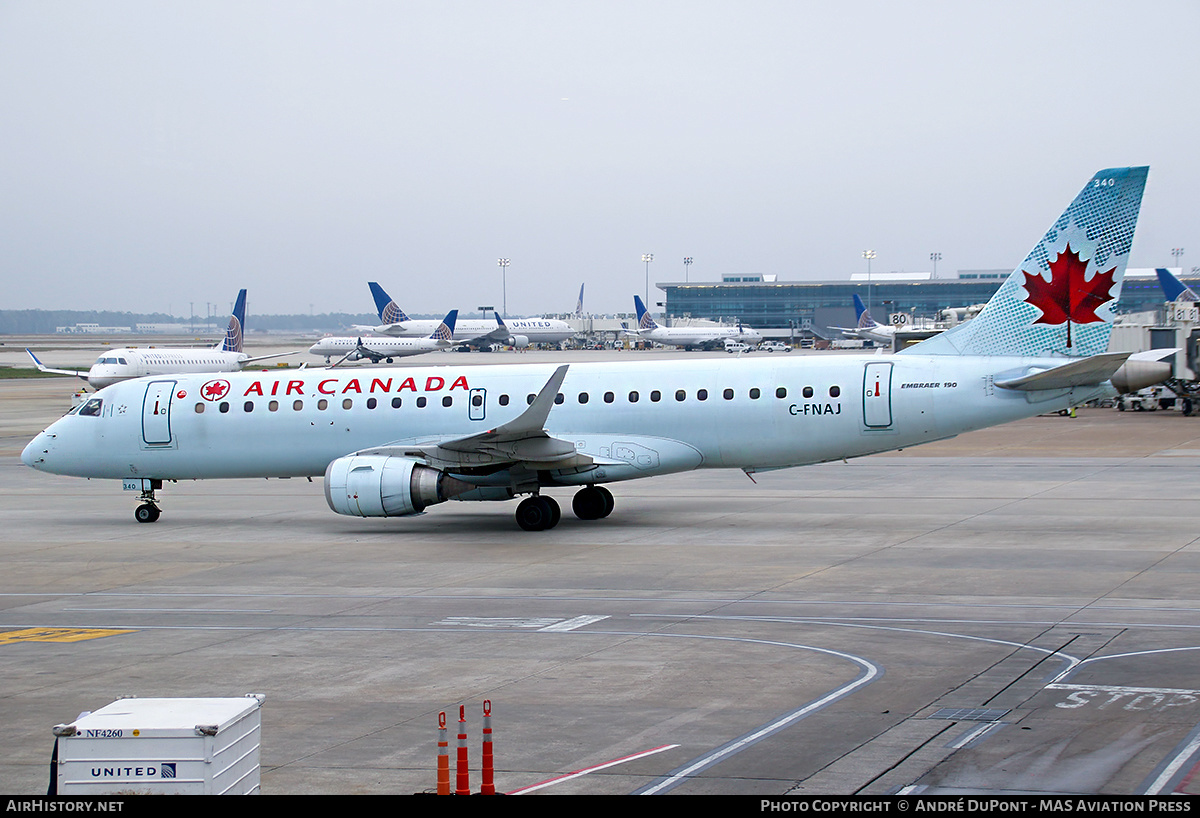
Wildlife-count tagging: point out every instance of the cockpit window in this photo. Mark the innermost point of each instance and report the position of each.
(92, 407)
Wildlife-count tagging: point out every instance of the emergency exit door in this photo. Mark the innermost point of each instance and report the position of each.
(156, 413)
(877, 396)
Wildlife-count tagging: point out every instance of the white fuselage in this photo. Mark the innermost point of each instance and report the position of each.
(699, 336)
(331, 346)
(536, 330)
(635, 418)
(132, 362)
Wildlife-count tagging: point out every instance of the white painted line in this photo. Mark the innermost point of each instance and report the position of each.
(572, 624)
(500, 621)
(586, 770)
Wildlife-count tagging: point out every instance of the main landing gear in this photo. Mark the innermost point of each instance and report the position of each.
(541, 513)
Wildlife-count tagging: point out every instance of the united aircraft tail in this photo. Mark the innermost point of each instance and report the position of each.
(579, 303)
(644, 320)
(389, 311)
(445, 330)
(865, 321)
(1060, 300)
(237, 325)
(1173, 288)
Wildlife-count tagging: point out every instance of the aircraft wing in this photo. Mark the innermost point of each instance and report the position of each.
(43, 368)
(522, 441)
(265, 357)
(1084, 372)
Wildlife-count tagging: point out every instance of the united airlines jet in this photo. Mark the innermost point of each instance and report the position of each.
(690, 337)
(378, 349)
(867, 328)
(514, 332)
(135, 362)
(395, 441)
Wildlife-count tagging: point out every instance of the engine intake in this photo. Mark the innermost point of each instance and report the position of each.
(386, 486)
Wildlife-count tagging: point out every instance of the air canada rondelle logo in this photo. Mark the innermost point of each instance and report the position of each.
(214, 390)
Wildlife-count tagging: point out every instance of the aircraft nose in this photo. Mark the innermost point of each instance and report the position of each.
(35, 453)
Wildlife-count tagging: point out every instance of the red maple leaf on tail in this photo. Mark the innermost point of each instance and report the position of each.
(1068, 297)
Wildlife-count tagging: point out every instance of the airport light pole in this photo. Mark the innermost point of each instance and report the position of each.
(687, 263)
(647, 258)
(503, 262)
(868, 255)
(935, 258)
(1178, 254)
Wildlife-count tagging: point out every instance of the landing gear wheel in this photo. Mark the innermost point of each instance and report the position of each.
(538, 513)
(592, 503)
(146, 513)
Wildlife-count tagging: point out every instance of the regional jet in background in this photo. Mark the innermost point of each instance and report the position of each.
(385, 349)
(868, 329)
(393, 441)
(519, 332)
(135, 362)
(689, 337)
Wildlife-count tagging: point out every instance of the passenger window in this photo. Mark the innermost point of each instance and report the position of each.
(199, 408)
(396, 403)
(223, 407)
(421, 402)
(656, 396)
(558, 399)
(633, 397)
(477, 400)
(503, 400)
(808, 392)
(298, 405)
(372, 403)
(609, 397)
(248, 406)
(754, 393)
(835, 391)
(727, 394)
(273, 406)
(347, 403)
(447, 401)
(680, 394)
(781, 392)
(529, 398)
(583, 397)
(322, 404)
(701, 394)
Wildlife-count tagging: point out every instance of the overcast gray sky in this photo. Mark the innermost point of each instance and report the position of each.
(156, 153)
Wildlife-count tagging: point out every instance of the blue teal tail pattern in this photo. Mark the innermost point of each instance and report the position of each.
(1060, 300)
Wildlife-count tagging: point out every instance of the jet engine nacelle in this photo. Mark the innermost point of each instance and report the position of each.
(518, 341)
(386, 486)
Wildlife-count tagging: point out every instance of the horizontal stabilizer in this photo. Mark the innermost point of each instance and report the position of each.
(1085, 372)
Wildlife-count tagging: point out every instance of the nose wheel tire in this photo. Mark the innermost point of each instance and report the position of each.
(538, 513)
(146, 513)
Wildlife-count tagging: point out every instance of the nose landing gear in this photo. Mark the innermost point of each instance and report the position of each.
(148, 511)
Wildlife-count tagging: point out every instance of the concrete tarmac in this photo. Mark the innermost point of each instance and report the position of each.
(1014, 610)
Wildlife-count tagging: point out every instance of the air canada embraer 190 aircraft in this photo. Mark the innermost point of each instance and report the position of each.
(135, 362)
(394, 441)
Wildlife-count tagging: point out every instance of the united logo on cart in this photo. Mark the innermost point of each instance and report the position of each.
(214, 390)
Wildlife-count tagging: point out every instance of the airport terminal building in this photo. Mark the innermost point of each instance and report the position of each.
(813, 306)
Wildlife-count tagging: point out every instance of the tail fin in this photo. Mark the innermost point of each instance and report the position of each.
(389, 311)
(644, 319)
(865, 321)
(237, 324)
(445, 330)
(1060, 300)
(1173, 288)
(579, 304)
